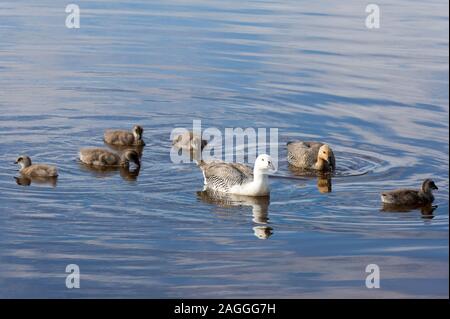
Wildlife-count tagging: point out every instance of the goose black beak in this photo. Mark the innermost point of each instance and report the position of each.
(272, 166)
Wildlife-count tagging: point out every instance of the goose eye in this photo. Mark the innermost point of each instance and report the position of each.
(262, 159)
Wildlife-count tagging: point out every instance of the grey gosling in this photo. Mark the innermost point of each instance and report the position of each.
(28, 169)
(125, 138)
(103, 158)
(411, 197)
(189, 141)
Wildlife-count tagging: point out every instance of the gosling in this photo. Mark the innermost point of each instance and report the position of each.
(125, 138)
(28, 169)
(189, 141)
(103, 158)
(311, 155)
(410, 197)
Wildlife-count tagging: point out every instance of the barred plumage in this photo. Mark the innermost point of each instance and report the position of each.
(237, 178)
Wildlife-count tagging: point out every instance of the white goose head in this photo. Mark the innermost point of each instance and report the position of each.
(264, 164)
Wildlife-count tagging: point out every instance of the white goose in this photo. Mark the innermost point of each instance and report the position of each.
(239, 179)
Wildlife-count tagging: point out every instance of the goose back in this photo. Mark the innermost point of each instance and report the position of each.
(99, 157)
(220, 176)
(407, 197)
(305, 154)
(39, 170)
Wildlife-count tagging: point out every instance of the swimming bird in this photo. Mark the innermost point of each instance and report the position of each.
(239, 179)
(189, 141)
(104, 158)
(35, 170)
(410, 197)
(311, 155)
(125, 137)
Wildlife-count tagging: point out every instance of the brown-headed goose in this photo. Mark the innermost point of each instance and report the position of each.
(311, 155)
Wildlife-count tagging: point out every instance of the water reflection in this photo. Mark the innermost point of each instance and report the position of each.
(426, 210)
(139, 149)
(323, 178)
(127, 173)
(260, 208)
(27, 181)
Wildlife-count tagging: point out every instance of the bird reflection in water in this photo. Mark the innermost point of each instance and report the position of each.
(323, 178)
(128, 174)
(260, 208)
(122, 149)
(425, 210)
(27, 181)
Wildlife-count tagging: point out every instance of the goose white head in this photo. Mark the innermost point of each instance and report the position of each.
(264, 164)
(23, 161)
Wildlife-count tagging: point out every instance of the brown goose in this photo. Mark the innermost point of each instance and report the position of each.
(125, 138)
(311, 155)
(410, 197)
(35, 170)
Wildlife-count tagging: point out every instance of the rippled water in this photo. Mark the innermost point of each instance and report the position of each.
(311, 69)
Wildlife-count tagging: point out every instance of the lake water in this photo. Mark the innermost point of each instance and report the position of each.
(313, 70)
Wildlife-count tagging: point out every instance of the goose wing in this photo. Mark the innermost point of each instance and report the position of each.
(99, 157)
(40, 170)
(303, 154)
(222, 176)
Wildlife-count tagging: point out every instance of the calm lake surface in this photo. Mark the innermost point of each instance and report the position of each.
(310, 69)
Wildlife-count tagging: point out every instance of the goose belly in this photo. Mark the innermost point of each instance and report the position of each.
(250, 190)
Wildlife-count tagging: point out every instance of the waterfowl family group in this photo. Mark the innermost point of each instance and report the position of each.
(222, 177)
